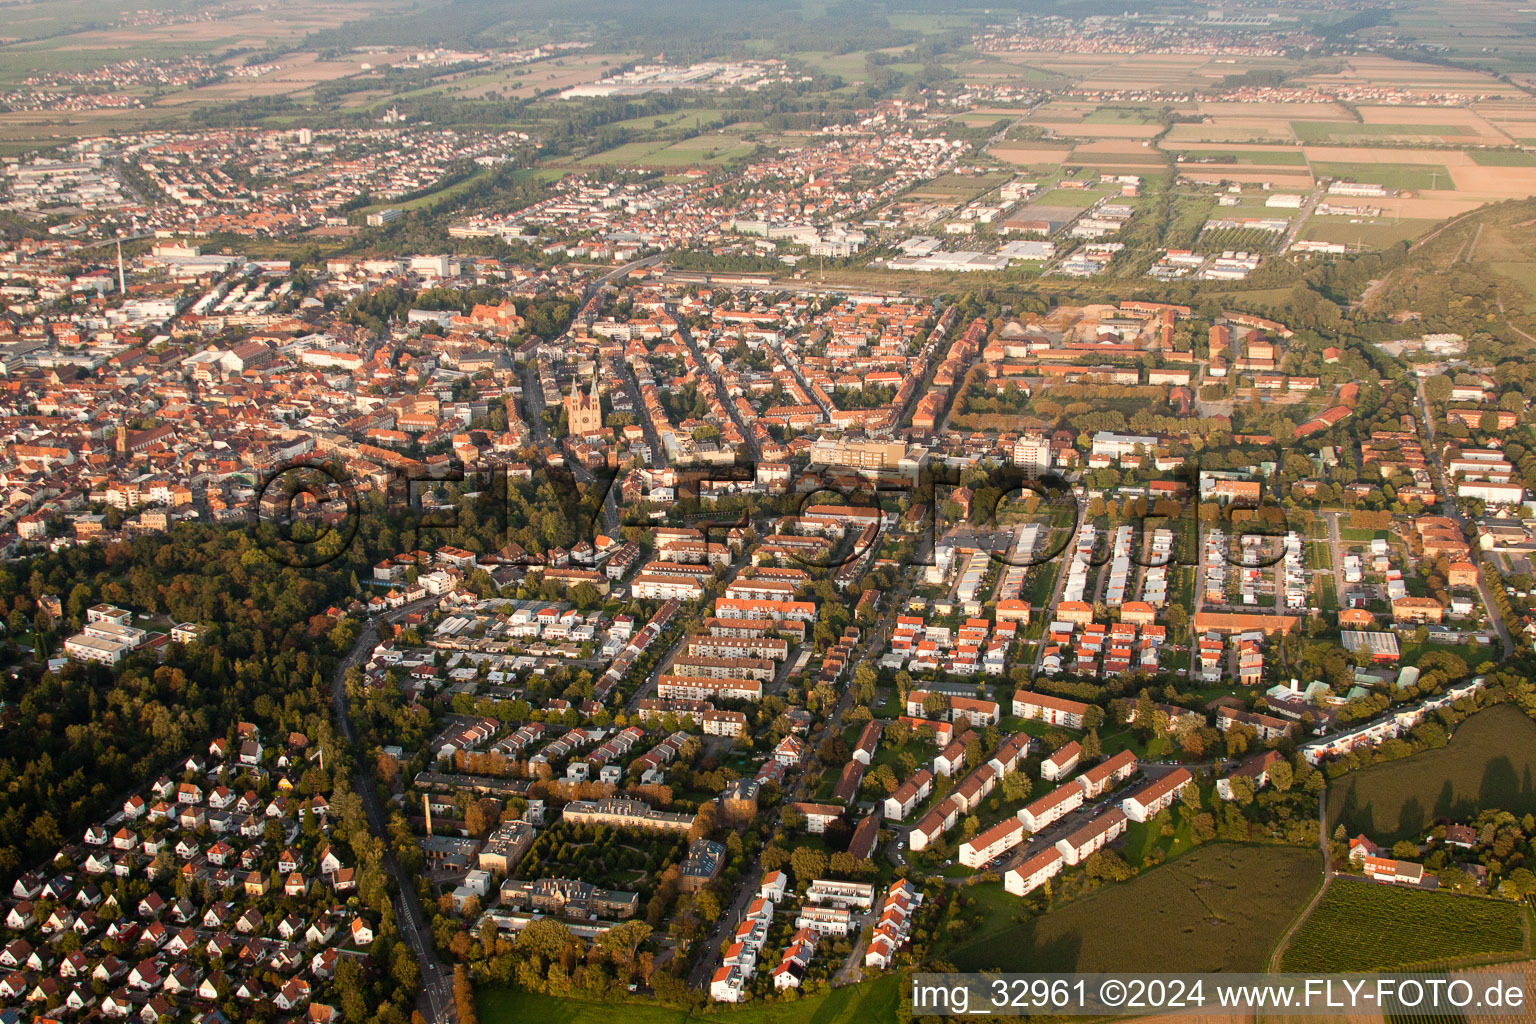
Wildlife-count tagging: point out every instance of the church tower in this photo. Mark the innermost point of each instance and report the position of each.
(584, 412)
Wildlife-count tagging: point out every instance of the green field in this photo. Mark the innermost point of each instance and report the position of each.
(960, 187)
(871, 1002)
(1490, 762)
(683, 119)
(1418, 176)
(440, 195)
(1376, 234)
(1348, 131)
(852, 67)
(1077, 198)
(1220, 908)
(1363, 926)
(1502, 157)
(713, 148)
(1121, 115)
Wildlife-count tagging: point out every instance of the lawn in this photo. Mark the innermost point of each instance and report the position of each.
(1363, 926)
(874, 1002)
(1472, 652)
(1490, 762)
(1411, 176)
(1221, 907)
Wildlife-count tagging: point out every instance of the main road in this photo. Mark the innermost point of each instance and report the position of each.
(436, 999)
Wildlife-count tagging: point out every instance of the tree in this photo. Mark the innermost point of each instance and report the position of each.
(349, 982)
(1241, 788)
(482, 816)
(707, 905)
(1107, 865)
(1281, 776)
(1145, 709)
(1523, 880)
(1016, 786)
(464, 994)
(807, 863)
(704, 823)
(1091, 746)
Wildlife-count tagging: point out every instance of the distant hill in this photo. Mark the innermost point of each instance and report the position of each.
(1481, 262)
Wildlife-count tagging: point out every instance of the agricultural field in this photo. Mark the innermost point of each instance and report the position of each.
(47, 37)
(1316, 132)
(1393, 176)
(1502, 158)
(1363, 926)
(1490, 762)
(958, 188)
(1496, 35)
(853, 1004)
(1261, 156)
(525, 79)
(1027, 156)
(1219, 908)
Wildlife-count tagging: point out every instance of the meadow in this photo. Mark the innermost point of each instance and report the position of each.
(1364, 926)
(1219, 908)
(1490, 762)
